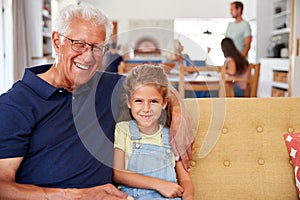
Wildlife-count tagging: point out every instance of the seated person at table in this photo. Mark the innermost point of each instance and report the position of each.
(142, 149)
(180, 57)
(112, 59)
(236, 65)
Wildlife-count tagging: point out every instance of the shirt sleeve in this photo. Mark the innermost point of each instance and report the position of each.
(15, 132)
(120, 136)
(227, 30)
(247, 31)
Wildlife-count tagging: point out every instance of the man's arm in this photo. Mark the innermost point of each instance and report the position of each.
(181, 136)
(247, 42)
(185, 181)
(9, 189)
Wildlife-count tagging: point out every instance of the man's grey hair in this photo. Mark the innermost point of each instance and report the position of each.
(84, 11)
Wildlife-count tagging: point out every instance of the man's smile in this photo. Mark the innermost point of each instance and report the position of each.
(80, 66)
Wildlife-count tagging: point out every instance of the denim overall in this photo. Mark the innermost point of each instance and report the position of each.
(150, 160)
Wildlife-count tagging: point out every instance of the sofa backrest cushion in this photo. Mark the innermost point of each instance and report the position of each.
(239, 151)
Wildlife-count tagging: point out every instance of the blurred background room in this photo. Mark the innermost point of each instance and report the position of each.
(150, 30)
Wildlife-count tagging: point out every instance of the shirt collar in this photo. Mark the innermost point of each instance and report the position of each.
(41, 87)
(46, 90)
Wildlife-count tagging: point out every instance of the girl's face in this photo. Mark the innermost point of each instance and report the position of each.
(146, 105)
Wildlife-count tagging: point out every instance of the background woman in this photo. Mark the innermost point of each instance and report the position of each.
(236, 65)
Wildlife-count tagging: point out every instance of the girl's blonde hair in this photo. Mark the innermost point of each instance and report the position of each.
(146, 75)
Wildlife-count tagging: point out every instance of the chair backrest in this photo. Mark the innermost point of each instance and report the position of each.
(167, 66)
(219, 84)
(124, 67)
(252, 80)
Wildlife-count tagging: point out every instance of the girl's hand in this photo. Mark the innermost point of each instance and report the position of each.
(170, 189)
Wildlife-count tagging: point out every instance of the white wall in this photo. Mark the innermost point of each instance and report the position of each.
(264, 27)
(171, 9)
(126, 11)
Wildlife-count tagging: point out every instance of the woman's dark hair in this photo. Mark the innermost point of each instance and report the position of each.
(230, 50)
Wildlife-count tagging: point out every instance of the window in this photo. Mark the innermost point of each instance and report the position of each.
(206, 33)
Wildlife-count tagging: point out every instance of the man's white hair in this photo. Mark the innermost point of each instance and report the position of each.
(84, 11)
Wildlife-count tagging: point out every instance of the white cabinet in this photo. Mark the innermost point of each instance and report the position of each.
(273, 26)
(281, 17)
(273, 77)
(281, 28)
(274, 55)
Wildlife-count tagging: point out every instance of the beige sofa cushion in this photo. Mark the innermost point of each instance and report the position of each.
(243, 155)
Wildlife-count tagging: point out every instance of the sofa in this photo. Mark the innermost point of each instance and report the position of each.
(239, 150)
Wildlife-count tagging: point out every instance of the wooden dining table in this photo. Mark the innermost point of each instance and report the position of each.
(196, 77)
(208, 78)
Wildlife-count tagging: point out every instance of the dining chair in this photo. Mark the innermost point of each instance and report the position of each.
(206, 84)
(124, 67)
(252, 80)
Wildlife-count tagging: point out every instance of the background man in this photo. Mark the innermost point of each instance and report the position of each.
(239, 30)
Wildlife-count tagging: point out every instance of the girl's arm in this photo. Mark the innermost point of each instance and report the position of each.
(131, 179)
(185, 181)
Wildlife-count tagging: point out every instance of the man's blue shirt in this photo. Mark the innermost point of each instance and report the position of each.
(66, 139)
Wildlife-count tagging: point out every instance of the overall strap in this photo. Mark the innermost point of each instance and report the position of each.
(134, 130)
(166, 136)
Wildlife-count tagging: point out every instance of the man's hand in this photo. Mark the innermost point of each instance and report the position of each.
(103, 192)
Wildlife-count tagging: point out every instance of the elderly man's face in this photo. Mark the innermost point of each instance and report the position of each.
(75, 67)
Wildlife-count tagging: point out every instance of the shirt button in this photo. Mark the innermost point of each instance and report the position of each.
(73, 97)
(60, 91)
